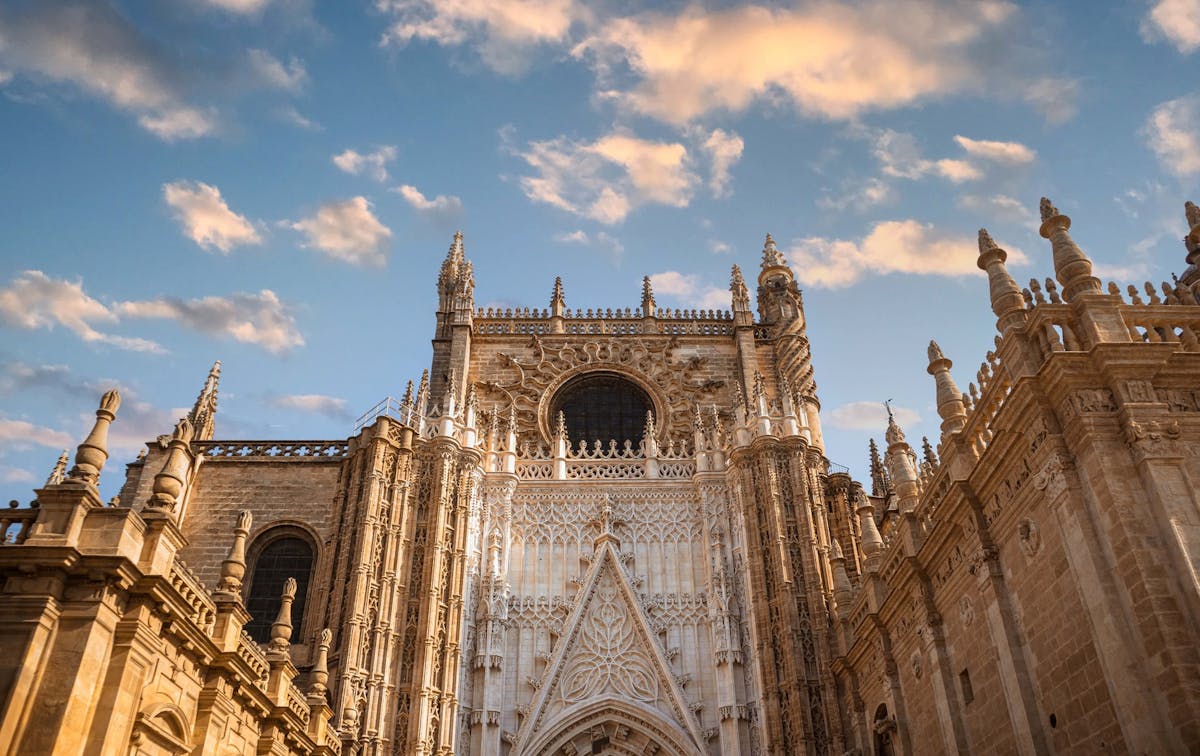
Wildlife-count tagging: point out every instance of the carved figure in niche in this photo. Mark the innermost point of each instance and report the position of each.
(966, 611)
(917, 667)
(1031, 538)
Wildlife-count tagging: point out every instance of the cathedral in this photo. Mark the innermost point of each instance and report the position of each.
(616, 532)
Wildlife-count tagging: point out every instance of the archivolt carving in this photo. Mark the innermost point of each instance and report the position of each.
(672, 380)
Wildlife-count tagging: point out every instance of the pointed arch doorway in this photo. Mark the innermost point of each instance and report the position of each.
(612, 727)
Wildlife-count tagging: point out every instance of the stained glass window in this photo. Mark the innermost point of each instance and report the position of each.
(602, 407)
(282, 558)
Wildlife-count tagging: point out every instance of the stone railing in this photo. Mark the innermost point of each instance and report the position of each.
(270, 450)
(15, 524)
(297, 704)
(627, 321)
(612, 462)
(251, 653)
(203, 611)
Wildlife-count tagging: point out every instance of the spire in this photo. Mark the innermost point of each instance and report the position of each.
(949, 398)
(281, 629)
(233, 569)
(60, 469)
(423, 393)
(1007, 302)
(1071, 266)
(557, 302)
(1192, 240)
(771, 256)
(930, 456)
(204, 411)
(648, 305)
(901, 464)
(879, 477)
(93, 452)
(894, 434)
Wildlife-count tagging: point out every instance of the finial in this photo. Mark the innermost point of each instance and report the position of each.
(93, 452)
(233, 569)
(648, 304)
(649, 429)
(557, 294)
(879, 474)
(887, 405)
(169, 482)
(985, 241)
(560, 428)
(771, 256)
(894, 435)
(837, 550)
(60, 469)
(1048, 210)
(1191, 242)
(935, 351)
(281, 629)
(320, 670)
(408, 395)
(1191, 213)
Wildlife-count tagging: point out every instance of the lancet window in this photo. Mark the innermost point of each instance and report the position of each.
(281, 554)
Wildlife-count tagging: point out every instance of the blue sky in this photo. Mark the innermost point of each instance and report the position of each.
(274, 183)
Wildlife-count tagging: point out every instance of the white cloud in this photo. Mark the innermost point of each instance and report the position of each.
(1177, 21)
(259, 319)
(904, 246)
(274, 73)
(870, 416)
(579, 236)
(317, 403)
(718, 247)
(1012, 153)
(869, 193)
(689, 290)
(606, 179)
(724, 149)
(5, 77)
(91, 46)
(900, 156)
(19, 434)
(828, 59)
(506, 32)
(1173, 132)
(34, 300)
(205, 217)
(347, 231)
(441, 206)
(246, 7)
(373, 164)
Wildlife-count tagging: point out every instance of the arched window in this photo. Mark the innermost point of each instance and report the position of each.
(602, 407)
(283, 554)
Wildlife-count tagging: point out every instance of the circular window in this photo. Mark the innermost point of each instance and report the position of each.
(602, 407)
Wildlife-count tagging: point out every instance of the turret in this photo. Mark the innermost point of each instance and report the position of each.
(558, 306)
(456, 307)
(902, 466)
(779, 300)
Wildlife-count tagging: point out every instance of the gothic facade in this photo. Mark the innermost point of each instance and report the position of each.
(616, 532)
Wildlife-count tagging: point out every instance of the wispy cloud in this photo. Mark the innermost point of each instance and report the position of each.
(346, 231)
(274, 73)
(92, 46)
(441, 207)
(245, 7)
(1177, 21)
(260, 319)
(505, 32)
(372, 164)
(606, 179)
(289, 114)
(724, 149)
(35, 301)
(999, 207)
(690, 290)
(870, 416)
(858, 195)
(206, 219)
(1010, 153)
(599, 240)
(320, 404)
(901, 246)
(20, 434)
(1172, 132)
